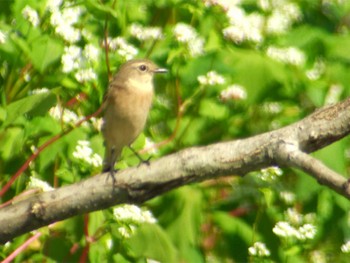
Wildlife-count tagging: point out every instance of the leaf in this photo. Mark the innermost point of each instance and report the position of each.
(45, 51)
(100, 10)
(234, 226)
(333, 156)
(338, 48)
(34, 105)
(210, 108)
(151, 242)
(11, 142)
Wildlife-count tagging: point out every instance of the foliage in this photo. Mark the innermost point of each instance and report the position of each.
(236, 69)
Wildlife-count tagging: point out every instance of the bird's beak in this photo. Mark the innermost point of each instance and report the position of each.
(160, 70)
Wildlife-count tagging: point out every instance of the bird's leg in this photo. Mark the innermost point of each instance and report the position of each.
(110, 167)
(139, 157)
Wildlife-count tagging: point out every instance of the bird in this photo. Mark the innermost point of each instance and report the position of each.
(126, 106)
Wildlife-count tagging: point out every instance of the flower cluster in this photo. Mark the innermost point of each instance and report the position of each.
(186, 34)
(233, 92)
(272, 107)
(259, 250)
(37, 183)
(84, 153)
(271, 173)
(77, 60)
(283, 14)
(122, 47)
(279, 17)
(317, 70)
(3, 37)
(345, 248)
(64, 21)
(145, 33)
(290, 55)
(211, 78)
(296, 226)
(31, 15)
(244, 27)
(65, 115)
(287, 197)
(132, 216)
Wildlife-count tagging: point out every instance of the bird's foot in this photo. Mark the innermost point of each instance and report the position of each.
(111, 173)
(147, 161)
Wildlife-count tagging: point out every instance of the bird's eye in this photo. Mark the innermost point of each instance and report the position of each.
(143, 67)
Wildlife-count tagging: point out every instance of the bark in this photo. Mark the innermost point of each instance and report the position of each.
(285, 147)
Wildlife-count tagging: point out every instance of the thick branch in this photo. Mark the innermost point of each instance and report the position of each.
(281, 147)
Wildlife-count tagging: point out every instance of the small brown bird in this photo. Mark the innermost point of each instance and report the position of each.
(126, 106)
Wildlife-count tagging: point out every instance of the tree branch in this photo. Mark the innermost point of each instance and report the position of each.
(287, 146)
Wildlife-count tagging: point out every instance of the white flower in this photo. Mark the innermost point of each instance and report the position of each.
(233, 92)
(27, 77)
(64, 23)
(31, 15)
(235, 15)
(134, 214)
(85, 75)
(287, 197)
(225, 4)
(38, 91)
(271, 173)
(91, 52)
(196, 47)
(244, 27)
(272, 107)
(52, 5)
(318, 256)
(234, 33)
(284, 14)
(145, 33)
(37, 183)
(96, 123)
(211, 78)
(186, 34)
(317, 70)
(67, 116)
(109, 243)
(124, 49)
(149, 144)
(307, 231)
(334, 94)
(284, 229)
(84, 153)
(126, 231)
(290, 55)
(259, 249)
(293, 216)
(345, 248)
(3, 37)
(71, 58)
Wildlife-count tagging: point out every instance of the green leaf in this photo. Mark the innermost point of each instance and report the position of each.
(338, 48)
(45, 51)
(34, 105)
(231, 225)
(100, 10)
(212, 109)
(151, 242)
(11, 142)
(333, 156)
